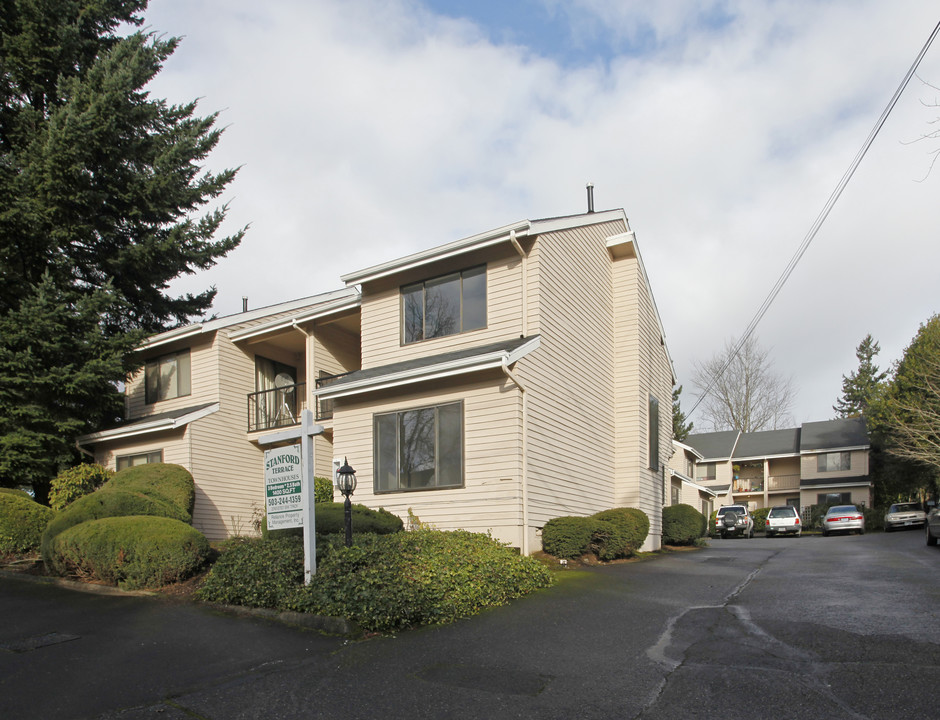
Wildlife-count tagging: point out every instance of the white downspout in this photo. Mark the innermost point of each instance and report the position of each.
(525, 455)
(525, 282)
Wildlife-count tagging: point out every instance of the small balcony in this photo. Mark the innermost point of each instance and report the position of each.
(276, 408)
(749, 485)
(325, 407)
(783, 482)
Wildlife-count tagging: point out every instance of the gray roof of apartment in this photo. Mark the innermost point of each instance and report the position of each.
(714, 445)
(833, 434)
(768, 443)
(429, 361)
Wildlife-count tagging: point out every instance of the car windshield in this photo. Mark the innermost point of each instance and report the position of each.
(842, 509)
(779, 512)
(904, 507)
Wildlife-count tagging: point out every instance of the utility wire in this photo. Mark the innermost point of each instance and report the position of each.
(820, 219)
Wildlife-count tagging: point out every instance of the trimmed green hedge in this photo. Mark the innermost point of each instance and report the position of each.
(760, 518)
(103, 503)
(331, 518)
(69, 485)
(382, 583)
(131, 552)
(22, 521)
(567, 536)
(172, 483)
(683, 525)
(609, 534)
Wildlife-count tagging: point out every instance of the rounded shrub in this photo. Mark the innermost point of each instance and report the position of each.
(106, 502)
(76, 482)
(683, 525)
(131, 552)
(172, 483)
(322, 490)
(620, 532)
(22, 521)
(567, 536)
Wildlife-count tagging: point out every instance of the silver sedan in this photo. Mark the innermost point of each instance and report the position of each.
(843, 518)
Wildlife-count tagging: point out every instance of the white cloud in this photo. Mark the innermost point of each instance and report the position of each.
(367, 130)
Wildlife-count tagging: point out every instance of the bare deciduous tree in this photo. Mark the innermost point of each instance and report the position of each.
(741, 391)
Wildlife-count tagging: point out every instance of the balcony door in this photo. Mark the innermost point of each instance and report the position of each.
(277, 399)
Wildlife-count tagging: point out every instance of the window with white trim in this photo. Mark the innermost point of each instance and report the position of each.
(419, 449)
(126, 461)
(446, 305)
(167, 377)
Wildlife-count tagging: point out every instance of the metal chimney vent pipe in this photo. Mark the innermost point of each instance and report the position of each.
(244, 303)
(590, 193)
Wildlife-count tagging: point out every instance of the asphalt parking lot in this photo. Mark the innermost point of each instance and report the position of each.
(837, 627)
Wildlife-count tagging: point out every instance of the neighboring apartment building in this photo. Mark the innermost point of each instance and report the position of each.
(682, 487)
(489, 384)
(817, 463)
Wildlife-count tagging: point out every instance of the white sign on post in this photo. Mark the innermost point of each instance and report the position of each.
(289, 492)
(283, 487)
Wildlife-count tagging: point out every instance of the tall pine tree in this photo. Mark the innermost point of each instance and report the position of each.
(860, 387)
(102, 205)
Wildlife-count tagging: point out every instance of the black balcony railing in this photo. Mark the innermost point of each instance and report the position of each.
(325, 407)
(279, 407)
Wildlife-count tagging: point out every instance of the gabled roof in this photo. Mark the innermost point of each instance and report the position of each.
(499, 235)
(831, 435)
(459, 362)
(301, 305)
(768, 443)
(160, 422)
(714, 445)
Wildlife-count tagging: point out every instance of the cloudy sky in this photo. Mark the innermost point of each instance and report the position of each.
(370, 129)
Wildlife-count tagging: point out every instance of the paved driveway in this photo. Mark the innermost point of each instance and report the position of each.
(839, 627)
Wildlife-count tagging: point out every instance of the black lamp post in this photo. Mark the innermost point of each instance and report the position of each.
(346, 484)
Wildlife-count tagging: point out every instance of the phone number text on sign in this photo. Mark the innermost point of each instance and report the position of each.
(283, 487)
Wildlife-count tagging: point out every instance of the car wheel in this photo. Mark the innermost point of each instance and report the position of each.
(825, 534)
(931, 540)
(861, 531)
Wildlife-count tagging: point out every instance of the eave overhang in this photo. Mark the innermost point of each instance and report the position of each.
(149, 426)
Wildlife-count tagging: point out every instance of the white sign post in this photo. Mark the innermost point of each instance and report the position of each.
(288, 482)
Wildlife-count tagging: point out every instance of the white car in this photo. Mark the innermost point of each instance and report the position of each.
(906, 514)
(783, 520)
(932, 525)
(733, 521)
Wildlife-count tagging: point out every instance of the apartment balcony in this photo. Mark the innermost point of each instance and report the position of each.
(276, 408)
(749, 485)
(325, 407)
(783, 482)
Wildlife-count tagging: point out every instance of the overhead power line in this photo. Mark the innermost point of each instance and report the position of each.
(820, 219)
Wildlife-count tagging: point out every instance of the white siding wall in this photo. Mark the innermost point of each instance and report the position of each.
(381, 310)
(569, 380)
(204, 381)
(490, 501)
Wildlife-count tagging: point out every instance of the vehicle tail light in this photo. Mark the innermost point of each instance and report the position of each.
(796, 523)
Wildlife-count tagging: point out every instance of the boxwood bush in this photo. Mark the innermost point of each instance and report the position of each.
(384, 582)
(760, 518)
(165, 481)
(683, 525)
(567, 536)
(22, 521)
(76, 482)
(107, 502)
(609, 534)
(131, 552)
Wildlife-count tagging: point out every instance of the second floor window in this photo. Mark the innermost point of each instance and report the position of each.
(446, 305)
(167, 377)
(833, 462)
(705, 471)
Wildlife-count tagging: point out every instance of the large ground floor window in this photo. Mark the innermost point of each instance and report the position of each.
(419, 449)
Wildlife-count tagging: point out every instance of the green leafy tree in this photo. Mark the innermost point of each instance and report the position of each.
(102, 205)
(681, 426)
(905, 419)
(860, 386)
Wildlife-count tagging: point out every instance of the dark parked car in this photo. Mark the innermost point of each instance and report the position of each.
(932, 525)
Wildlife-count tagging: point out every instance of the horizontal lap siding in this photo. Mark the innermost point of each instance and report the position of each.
(227, 467)
(203, 380)
(642, 370)
(490, 498)
(174, 444)
(858, 466)
(570, 377)
(381, 312)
